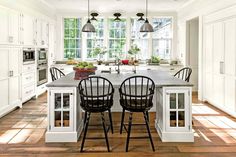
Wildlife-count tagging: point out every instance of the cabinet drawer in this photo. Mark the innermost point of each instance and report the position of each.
(28, 91)
(28, 68)
(28, 78)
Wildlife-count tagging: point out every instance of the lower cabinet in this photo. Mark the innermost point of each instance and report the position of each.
(10, 79)
(64, 116)
(174, 114)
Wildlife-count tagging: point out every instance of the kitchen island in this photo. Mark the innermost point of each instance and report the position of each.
(172, 104)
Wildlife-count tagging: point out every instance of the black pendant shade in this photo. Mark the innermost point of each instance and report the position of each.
(141, 16)
(117, 15)
(93, 16)
(88, 27)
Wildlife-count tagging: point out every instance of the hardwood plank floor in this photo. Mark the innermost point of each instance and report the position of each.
(22, 134)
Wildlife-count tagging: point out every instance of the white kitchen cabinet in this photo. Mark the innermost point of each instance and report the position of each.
(27, 35)
(174, 114)
(42, 31)
(64, 114)
(9, 28)
(230, 49)
(220, 64)
(10, 79)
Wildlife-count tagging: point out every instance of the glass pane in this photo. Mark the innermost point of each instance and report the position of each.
(71, 43)
(66, 33)
(173, 118)
(162, 27)
(78, 53)
(66, 43)
(66, 118)
(172, 101)
(57, 119)
(57, 100)
(181, 119)
(66, 101)
(181, 101)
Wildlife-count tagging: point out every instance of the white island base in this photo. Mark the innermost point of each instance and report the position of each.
(172, 104)
(174, 114)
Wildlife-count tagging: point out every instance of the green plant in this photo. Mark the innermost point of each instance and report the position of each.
(98, 51)
(155, 59)
(134, 50)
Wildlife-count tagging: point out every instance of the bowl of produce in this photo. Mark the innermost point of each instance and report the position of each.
(83, 70)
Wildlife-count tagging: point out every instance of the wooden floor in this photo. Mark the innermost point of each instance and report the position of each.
(22, 134)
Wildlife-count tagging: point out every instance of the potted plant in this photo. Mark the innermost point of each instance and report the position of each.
(99, 52)
(155, 60)
(133, 51)
(83, 70)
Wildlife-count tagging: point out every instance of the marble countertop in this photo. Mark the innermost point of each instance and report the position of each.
(161, 78)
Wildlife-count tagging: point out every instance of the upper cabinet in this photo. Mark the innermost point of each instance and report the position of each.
(27, 30)
(9, 28)
(42, 31)
(20, 28)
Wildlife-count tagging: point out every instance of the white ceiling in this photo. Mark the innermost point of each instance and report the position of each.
(124, 6)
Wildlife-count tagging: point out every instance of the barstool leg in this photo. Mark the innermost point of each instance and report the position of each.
(85, 117)
(122, 121)
(129, 130)
(148, 129)
(105, 131)
(85, 131)
(110, 117)
(147, 116)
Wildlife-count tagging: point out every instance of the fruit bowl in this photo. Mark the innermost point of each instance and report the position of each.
(82, 73)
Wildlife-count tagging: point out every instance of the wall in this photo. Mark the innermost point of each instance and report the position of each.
(59, 31)
(197, 8)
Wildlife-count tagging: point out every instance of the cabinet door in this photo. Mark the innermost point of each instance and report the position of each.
(230, 49)
(4, 31)
(14, 90)
(28, 30)
(177, 116)
(39, 32)
(3, 94)
(4, 72)
(44, 33)
(14, 61)
(230, 94)
(218, 47)
(14, 25)
(61, 109)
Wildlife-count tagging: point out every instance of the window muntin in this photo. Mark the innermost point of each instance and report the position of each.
(95, 40)
(162, 37)
(139, 39)
(72, 38)
(117, 38)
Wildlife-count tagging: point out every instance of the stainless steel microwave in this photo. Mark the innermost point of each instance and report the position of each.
(28, 55)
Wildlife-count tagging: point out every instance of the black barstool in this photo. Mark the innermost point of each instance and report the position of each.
(96, 95)
(136, 94)
(56, 73)
(184, 74)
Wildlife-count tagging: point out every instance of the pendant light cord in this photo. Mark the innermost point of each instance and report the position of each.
(88, 9)
(146, 9)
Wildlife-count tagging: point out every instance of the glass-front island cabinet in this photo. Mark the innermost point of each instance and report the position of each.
(174, 114)
(64, 115)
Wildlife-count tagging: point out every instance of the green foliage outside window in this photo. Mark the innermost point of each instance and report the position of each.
(117, 38)
(72, 38)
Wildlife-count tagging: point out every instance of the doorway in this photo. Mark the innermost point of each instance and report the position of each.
(192, 50)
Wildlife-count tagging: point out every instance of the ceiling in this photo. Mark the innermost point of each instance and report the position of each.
(123, 6)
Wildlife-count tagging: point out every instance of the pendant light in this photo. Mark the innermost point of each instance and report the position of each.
(146, 27)
(117, 15)
(88, 27)
(141, 16)
(93, 16)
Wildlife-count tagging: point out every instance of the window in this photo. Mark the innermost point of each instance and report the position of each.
(117, 39)
(162, 37)
(95, 40)
(139, 39)
(72, 38)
